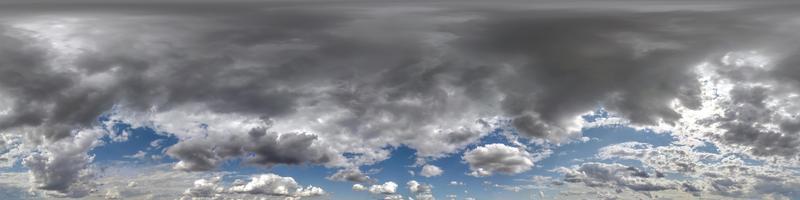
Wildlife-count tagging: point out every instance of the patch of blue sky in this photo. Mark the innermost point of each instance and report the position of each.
(707, 147)
(16, 167)
(139, 139)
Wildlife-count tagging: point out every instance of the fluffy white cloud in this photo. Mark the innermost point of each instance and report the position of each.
(430, 171)
(385, 188)
(274, 185)
(488, 159)
(358, 187)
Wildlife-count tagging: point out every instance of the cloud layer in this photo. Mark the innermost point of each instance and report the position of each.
(341, 86)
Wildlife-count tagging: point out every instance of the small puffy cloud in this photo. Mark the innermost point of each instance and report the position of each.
(385, 188)
(358, 187)
(430, 171)
(205, 188)
(542, 180)
(350, 174)
(491, 158)
(274, 185)
(456, 183)
(138, 155)
(113, 193)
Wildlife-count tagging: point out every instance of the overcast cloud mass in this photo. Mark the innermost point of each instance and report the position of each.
(399, 100)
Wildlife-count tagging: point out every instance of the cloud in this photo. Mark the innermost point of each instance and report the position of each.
(205, 188)
(680, 159)
(274, 185)
(430, 171)
(298, 85)
(420, 191)
(112, 194)
(63, 166)
(358, 187)
(488, 159)
(11, 148)
(350, 174)
(708, 173)
(387, 188)
(200, 154)
(138, 155)
(275, 69)
(393, 197)
(751, 103)
(616, 175)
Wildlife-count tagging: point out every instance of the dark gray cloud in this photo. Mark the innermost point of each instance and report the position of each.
(62, 165)
(633, 64)
(258, 148)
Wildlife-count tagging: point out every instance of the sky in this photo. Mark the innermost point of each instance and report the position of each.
(398, 100)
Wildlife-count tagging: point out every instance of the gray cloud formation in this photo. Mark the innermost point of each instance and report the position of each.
(616, 175)
(707, 173)
(205, 188)
(260, 148)
(420, 191)
(352, 175)
(631, 64)
(757, 103)
(10, 149)
(63, 166)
